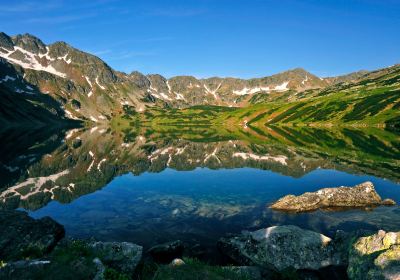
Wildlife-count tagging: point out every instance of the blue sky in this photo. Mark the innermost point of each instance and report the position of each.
(206, 38)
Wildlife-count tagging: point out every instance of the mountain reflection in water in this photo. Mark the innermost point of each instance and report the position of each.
(130, 186)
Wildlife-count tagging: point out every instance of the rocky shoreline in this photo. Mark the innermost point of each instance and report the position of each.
(38, 249)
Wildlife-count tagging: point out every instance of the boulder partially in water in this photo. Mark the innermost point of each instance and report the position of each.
(282, 247)
(375, 257)
(362, 195)
(24, 237)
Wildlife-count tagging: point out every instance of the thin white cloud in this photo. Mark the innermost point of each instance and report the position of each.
(130, 54)
(59, 19)
(101, 52)
(29, 6)
(175, 12)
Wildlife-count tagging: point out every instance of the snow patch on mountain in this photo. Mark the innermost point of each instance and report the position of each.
(280, 159)
(179, 96)
(282, 87)
(213, 154)
(213, 92)
(35, 186)
(305, 80)
(99, 164)
(68, 61)
(88, 81)
(246, 90)
(31, 62)
(7, 78)
(164, 96)
(97, 82)
(70, 115)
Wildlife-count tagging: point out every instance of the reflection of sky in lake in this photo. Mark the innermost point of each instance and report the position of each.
(202, 205)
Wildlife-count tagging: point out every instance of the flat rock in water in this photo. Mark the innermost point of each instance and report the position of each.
(375, 257)
(282, 247)
(362, 195)
(24, 237)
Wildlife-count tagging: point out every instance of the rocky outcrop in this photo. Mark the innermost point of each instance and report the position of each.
(122, 256)
(362, 195)
(282, 247)
(22, 236)
(375, 257)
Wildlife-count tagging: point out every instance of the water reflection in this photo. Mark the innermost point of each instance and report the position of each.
(43, 167)
(227, 187)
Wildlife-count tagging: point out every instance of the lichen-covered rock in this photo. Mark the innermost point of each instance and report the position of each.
(375, 257)
(22, 236)
(122, 256)
(362, 195)
(282, 247)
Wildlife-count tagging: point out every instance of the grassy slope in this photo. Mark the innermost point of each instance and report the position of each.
(372, 101)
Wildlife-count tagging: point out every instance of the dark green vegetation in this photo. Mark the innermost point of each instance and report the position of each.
(196, 270)
(373, 100)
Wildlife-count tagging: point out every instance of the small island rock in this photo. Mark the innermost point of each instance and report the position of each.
(362, 195)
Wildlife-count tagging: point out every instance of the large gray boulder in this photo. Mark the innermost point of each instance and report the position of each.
(362, 195)
(24, 237)
(122, 256)
(282, 247)
(375, 257)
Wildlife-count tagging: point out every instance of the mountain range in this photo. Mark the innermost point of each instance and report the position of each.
(56, 82)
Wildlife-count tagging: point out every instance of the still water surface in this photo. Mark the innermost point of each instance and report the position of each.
(150, 190)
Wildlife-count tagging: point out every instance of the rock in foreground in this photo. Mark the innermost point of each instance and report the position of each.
(362, 195)
(166, 252)
(22, 236)
(375, 257)
(123, 256)
(281, 247)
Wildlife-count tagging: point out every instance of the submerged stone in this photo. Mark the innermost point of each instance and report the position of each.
(362, 195)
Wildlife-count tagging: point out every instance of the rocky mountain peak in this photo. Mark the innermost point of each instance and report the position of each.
(139, 79)
(6, 42)
(29, 43)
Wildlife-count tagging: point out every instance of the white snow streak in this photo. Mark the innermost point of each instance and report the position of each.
(31, 62)
(213, 92)
(280, 159)
(97, 82)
